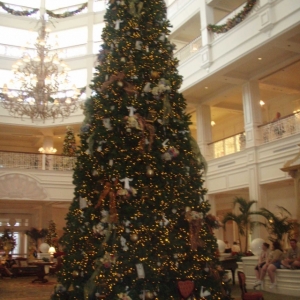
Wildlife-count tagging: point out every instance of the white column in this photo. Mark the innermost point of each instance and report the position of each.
(206, 18)
(252, 113)
(90, 58)
(204, 135)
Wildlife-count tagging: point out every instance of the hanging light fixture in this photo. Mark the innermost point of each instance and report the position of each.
(40, 88)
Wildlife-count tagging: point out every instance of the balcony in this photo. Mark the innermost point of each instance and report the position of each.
(273, 131)
(35, 161)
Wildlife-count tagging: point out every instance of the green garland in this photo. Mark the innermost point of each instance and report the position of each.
(49, 12)
(18, 12)
(68, 13)
(234, 21)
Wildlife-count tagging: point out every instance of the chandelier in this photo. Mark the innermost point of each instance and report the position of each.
(40, 88)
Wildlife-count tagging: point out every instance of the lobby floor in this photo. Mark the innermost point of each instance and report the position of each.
(22, 288)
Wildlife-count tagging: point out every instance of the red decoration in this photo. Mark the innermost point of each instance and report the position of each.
(186, 288)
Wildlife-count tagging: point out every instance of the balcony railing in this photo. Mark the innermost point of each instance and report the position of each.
(229, 145)
(36, 161)
(281, 128)
(189, 49)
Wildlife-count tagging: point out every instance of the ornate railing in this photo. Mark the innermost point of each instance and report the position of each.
(281, 128)
(175, 7)
(36, 161)
(189, 49)
(229, 145)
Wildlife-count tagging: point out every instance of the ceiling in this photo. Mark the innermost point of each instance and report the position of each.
(276, 66)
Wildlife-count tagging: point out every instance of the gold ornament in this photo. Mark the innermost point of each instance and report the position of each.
(150, 172)
(187, 209)
(154, 74)
(149, 295)
(75, 273)
(120, 83)
(134, 237)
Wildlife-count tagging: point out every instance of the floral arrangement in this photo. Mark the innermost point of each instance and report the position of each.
(6, 239)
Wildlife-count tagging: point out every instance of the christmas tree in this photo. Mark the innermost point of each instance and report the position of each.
(69, 145)
(139, 226)
(51, 236)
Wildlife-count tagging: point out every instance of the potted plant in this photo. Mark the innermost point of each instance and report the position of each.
(7, 242)
(280, 224)
(243, 220)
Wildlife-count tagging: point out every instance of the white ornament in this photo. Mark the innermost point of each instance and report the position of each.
(118, 22)
(126, 181)
(106, 123)
(204, 293)
(138, 45)
(165, 143)
(131, 110)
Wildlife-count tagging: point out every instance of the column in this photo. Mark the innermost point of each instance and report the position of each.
(204, 135)
(90, 58)
(206, 18)
(252, 113)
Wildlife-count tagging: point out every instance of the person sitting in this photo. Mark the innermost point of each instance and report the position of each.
(292, 260)
(263, 258)
(271, 265)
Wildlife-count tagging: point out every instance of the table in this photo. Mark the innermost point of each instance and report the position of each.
(229, 264)
(41, 270)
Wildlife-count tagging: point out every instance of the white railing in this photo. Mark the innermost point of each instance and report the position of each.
(175, 7)
(281, 128)
(189, 49)
(64, 53)
(228, 145)
(36, 161)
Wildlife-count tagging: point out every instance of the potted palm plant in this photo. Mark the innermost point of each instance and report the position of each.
(243, 220)
(7, 242)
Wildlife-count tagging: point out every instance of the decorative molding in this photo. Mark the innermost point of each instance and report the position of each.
(18, 186)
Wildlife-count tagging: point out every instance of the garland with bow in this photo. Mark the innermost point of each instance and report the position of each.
(67, 13)
(49, 12)
(18, 12)
(238, 18)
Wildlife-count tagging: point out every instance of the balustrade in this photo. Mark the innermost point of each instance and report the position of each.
(228, 145)
(36, 161)
(281, 128)
(189, 49)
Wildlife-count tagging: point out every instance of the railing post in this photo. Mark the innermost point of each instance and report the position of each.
(43, 161)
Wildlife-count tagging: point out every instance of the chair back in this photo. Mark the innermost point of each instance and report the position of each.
(242, 282)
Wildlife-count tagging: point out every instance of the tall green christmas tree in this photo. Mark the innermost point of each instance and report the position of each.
(138, 227)
(69, 145)
(51, 236)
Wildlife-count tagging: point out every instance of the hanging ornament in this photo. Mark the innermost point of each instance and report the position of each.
(154, 74)
(95, 173)
(149, 172)
(204, 293)
(75, 274)
(149, 295)
(134, 237)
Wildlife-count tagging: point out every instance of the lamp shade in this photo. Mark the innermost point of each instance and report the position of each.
(51, 250)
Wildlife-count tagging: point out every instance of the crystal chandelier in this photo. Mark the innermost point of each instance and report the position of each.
(40, 88)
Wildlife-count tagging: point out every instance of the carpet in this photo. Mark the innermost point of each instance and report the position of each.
(22, 288)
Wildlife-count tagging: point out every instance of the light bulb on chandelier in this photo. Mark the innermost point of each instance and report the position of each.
(47, 150)
(40, 88)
